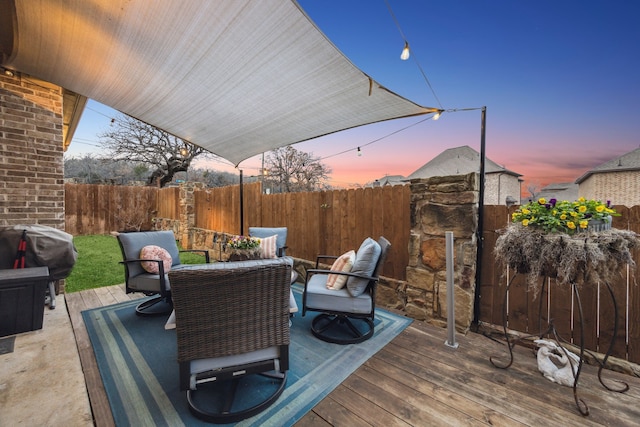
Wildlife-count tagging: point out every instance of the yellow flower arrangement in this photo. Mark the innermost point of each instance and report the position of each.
(243, 242)
(563, 217)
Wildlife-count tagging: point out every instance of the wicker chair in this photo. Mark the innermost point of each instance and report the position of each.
(346, 315)
(139, 280)
(232, 324)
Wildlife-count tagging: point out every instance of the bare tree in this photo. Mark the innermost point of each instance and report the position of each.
(289, 170)
(534, 189)
(133, 140)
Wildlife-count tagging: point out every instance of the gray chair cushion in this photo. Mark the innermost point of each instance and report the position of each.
(151, 282)
(366, 260)
(320, 298)
(132, 244)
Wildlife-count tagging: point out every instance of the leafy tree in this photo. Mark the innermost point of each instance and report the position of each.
(133, 140)
(289, 170)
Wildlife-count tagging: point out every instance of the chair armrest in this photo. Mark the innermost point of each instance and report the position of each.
(313, 271)
(159, 261)
(319, 257)
(129, 261)
(282, 251)
(204, 252)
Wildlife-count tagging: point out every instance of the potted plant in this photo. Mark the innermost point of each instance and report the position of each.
(242, 248)
(566, 217)
(570, 241)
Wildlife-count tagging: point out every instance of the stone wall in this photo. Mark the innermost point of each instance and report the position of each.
(31, 153)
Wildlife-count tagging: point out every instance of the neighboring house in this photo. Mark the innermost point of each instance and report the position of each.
(500, 183)
(617, 180)
(559, 191)
(388, 180)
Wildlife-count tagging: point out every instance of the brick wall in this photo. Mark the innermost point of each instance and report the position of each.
(622, 188)
(31, 154)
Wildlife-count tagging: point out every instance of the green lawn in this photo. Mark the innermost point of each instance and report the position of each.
(98, 263)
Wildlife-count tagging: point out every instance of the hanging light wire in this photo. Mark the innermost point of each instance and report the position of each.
(359, 147)
(406, 48)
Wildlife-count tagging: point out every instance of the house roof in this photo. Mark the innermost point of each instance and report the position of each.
(237, 77)
(560, 191)
(458, 161)
(392, 180)
(627, 162)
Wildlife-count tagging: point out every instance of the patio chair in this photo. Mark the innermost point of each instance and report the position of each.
(281, 248)
(347, 313)
(232, 329)
(279, 232)
(153, 280)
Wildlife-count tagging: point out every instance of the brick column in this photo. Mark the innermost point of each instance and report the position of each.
(31, 162)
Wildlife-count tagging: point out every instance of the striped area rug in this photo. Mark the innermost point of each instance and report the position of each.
(137, 361)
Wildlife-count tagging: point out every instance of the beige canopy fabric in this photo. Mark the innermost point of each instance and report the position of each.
(237, 77)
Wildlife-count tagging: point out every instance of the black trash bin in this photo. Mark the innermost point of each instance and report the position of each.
(22, 295)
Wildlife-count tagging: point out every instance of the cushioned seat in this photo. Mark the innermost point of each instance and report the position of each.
(149, 274)
(347, 307)
(341, 300)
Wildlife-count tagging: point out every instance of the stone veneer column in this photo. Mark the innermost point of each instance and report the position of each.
(187, 216)
(442, 204)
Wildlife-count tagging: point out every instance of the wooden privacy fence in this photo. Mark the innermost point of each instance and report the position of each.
(327, 222)
(559, 303)
(332, 222)
(101, 209)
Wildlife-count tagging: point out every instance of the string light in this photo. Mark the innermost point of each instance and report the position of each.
(359, 152)
(405, 52)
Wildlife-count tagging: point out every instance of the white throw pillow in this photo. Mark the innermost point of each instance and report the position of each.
(155, 252)
(343, 263)
(268, 247)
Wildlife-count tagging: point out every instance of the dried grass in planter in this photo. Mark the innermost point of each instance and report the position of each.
(583, 258)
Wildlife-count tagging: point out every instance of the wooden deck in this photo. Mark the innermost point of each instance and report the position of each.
(416, 380)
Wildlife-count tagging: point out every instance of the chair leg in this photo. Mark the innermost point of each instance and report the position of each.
(226, 415)
(154, 307)
(330, 328)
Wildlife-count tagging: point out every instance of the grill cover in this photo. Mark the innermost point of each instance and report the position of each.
(46, 247)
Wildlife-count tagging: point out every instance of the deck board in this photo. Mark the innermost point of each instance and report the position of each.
(417, 380)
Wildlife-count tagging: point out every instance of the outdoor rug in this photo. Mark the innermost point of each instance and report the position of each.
(137, 361)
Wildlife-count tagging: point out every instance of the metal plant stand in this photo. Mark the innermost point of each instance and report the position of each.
(550, 329)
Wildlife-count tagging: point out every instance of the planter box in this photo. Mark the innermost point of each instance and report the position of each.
(22, 295)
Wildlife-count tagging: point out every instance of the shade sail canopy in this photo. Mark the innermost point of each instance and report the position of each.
(237, 77)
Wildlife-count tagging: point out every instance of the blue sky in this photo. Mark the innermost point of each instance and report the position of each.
(560, 80)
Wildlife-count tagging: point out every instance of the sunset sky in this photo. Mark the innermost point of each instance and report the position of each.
(560, 80)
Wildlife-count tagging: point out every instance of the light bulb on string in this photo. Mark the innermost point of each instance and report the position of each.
(359, 152)
(405, 52)
(437, 115)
